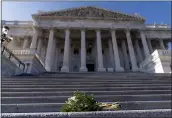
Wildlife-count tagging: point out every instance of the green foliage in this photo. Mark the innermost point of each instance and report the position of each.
(81, 102)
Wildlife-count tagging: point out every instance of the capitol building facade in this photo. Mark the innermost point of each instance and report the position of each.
(87, 39)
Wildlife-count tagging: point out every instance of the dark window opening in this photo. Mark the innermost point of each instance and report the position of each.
(102, 51)
(62, 51)
(76, 51)
(89, 50)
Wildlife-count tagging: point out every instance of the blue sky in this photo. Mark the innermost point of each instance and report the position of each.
(153, 11)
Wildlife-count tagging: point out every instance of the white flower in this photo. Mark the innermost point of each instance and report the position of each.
(72, 98)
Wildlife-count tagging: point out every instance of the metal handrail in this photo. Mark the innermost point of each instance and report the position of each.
(5, 49)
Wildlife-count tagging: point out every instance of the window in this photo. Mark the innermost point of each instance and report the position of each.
(62, 51)
(89, 50)
(102, 51)
(60, 65)
(76, 51)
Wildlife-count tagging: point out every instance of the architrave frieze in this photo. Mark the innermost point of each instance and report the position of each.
(45, 24)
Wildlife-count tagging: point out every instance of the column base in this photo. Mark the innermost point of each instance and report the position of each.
(120, 69)
(101, 70)
(135, 69)
(47, 68)
(65, 69)
(83, 69)
(110, 69)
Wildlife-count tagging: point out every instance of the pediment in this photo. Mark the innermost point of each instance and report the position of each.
(89, 13)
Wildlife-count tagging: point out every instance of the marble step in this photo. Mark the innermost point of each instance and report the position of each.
(12, 82)
(83, 77)
(85, 81)
(100, 98)
(155, 113)
(56, 107)
(85, 89)
(104, 73)
(64, 85)
(70, 93)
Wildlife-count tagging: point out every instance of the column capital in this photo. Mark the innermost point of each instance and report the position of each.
(113, 30)
(67, 29)
(140, 30)
(127, 30)
(26, 37)
(83, 29)
(37, 29)
(51, 28)
(98, 30)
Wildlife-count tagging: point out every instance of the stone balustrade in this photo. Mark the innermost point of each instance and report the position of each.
(157, 26)
(17, 22)
(24, 51)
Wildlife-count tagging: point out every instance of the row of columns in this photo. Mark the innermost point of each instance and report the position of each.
(65, 67)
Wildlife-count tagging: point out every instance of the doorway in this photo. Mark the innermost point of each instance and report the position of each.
(90, 67)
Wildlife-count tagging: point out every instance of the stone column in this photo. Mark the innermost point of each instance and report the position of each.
(126, 61)
(48, 59)
(83, 52)
(43, 51)
(118, 67)
(65, 67)
(34, 40)
(162, 44)
(26, 43)
(53, 56)
(39, 47)
(131, 51)
(150, 45)
(57, 57)
(145, 45)
(111, 62)
(138, 51)
(99, 52)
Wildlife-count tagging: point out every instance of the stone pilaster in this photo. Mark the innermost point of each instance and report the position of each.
(138, 51)
(99, 52)
(39, 46)
(118, 67)
(145, 45)
(34, 40)
(131, 51)
(126, 59)
(162, 44)
(83, 52)
(150, 46)
(65, 67)
(49, 53)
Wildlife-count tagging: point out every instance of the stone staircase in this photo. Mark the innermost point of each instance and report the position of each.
(136, 92)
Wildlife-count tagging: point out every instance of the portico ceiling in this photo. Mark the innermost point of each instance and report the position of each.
(88, 12)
